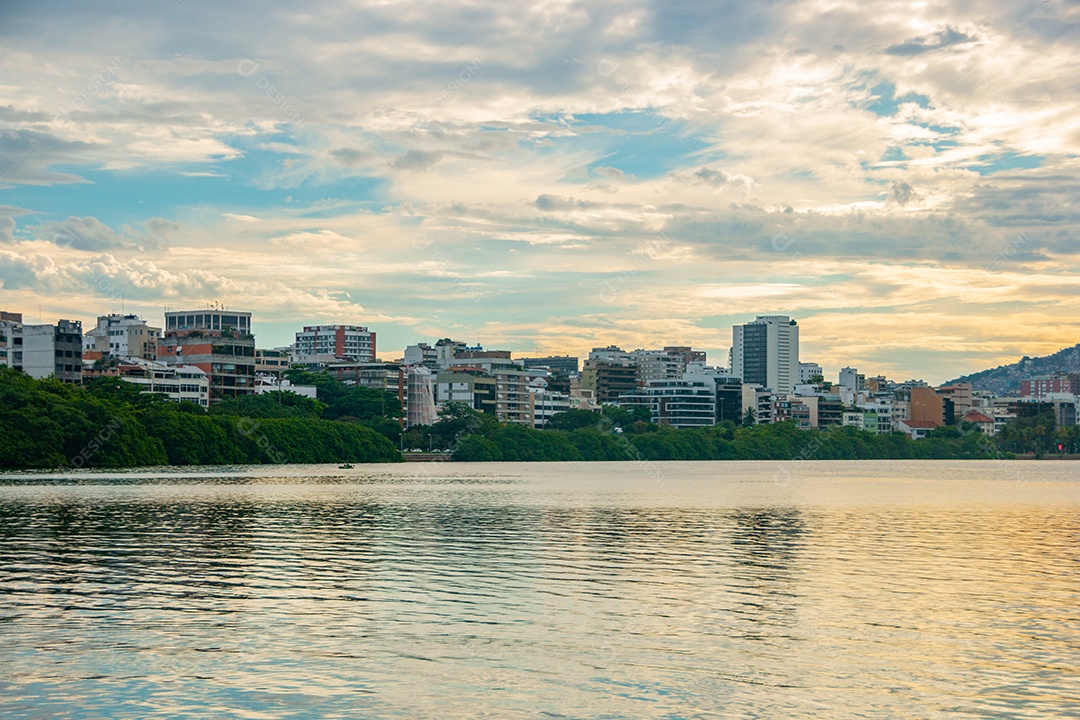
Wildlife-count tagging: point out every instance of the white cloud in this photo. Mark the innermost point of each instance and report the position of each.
(715, 155)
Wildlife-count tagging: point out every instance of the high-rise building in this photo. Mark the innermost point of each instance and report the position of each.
(123, 336)
(926, 406)
(11, 340)
(218, 342)
(766, 352)
(667, 364)
(446, 350)
(335, 342)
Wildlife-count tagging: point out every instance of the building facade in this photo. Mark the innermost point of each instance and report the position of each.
(272, 362)
(1053, 384)
(218, 342)
(701, 397)
(179, 383)
(609, 380)
(766, 352)
(421, 354)
(43, 351)
(336, 342)
(472, 387)
(563, 364)
(123, 336)
(808, 371)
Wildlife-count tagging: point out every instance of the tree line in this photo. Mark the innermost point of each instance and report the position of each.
(627, 434)
(109, 423)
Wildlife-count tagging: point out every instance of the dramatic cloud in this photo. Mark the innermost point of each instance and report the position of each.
(555, 175)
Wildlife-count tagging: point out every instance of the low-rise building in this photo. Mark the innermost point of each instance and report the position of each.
(179, 383)
(544, 403)
(123, 336)
(274, 383)
(917, 429)
(974, 419)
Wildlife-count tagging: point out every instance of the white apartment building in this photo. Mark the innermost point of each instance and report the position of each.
(180, 383)
(421, 354)
(42, 351)
(544, 403)
(809, 370)
(123, 336)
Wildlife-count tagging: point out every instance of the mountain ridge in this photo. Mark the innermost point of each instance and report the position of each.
(1005, 379)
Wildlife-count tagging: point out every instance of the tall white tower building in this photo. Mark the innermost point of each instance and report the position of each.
(766, 352)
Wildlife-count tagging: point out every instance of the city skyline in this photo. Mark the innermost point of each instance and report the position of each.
(548, 178)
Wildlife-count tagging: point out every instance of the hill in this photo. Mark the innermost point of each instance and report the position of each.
(1005, 379)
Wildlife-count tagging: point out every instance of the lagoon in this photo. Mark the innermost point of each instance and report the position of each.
(849, 589)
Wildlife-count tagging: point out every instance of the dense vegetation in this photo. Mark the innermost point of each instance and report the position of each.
(108, 423)
(1039, 435)
(779, 441)
(626, 434)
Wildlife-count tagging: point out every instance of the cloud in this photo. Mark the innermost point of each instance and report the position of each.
(26, 157)
(352, 157)
(902, 192)
(416, 160)
(532, 152)
(945, 38)
(90, 234)
(86, 233)
(714, 178)
(548, 202)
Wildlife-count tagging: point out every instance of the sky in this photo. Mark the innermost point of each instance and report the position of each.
(547, 177)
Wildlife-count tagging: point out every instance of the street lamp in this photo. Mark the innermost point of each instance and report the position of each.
(429, 442)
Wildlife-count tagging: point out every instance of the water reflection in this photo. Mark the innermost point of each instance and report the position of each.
(521, 595)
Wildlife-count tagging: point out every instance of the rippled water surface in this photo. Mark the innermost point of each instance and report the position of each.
(667, 590)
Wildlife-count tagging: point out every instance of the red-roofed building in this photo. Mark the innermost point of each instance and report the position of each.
(917, 429)
(973, 419)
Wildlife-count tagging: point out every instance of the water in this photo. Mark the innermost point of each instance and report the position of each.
(658, 590)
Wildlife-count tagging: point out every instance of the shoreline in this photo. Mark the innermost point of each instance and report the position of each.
(180, 470)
